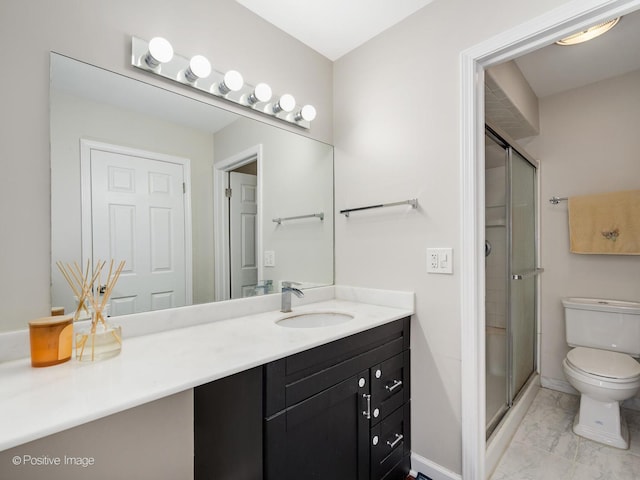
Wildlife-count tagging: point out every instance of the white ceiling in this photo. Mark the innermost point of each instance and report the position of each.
(554, 69)
(333, 27)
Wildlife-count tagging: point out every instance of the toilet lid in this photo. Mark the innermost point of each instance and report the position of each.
(604, 363)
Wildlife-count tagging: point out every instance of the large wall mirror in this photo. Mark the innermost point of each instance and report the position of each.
(203, 204)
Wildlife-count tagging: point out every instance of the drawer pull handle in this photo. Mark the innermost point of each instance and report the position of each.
(367, 412)
(394, 385)
(395, 443)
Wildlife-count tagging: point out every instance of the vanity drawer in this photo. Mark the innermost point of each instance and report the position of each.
(389, 385)
(390, 442)
(300, 376)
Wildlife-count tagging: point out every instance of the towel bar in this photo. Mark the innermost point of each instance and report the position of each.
(280, 220)
(413, 202)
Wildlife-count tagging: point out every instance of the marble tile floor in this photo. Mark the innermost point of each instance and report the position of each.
(545, 447)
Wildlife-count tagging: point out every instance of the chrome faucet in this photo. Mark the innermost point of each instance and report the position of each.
(287, 290)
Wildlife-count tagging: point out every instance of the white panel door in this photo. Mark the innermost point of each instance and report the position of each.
(243, 210)
(138, 215)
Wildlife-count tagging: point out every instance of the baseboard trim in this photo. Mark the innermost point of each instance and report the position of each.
(432, 469)
(564, 386)
(558, 385)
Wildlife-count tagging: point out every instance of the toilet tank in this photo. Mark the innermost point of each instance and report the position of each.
(605, 324)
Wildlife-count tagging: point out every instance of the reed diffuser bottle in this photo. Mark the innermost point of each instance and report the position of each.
(97, 339)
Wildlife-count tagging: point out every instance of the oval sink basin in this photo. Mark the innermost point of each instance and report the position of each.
(314, 319)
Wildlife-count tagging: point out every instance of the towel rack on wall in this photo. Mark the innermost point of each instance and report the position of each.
(413, 202)
(557, 200)
(280, 220)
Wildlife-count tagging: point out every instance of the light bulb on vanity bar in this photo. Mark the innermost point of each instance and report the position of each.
(307, 113)
(261, 93)
(232, 82)
(160, 51)
(199, 67)
(286, 103)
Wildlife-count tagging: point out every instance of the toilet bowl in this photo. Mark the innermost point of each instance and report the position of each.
(603, 377)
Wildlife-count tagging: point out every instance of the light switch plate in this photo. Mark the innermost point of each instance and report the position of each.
(269, 258)
(440, 260)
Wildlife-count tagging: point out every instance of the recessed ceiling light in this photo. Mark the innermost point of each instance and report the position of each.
(589, 33)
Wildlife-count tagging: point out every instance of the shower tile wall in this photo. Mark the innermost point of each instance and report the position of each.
(496, 262)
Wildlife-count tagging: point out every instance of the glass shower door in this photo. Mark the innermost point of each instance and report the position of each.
(510, 275)
(496, 283)
(522, 286)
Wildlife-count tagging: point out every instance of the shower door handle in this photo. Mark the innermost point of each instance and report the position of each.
(530, 273)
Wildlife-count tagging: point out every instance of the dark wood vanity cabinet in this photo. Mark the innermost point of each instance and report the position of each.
(340, 411)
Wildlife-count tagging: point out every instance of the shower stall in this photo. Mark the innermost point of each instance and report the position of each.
(510, 273)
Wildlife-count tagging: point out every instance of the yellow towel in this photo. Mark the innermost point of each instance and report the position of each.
(607, 223)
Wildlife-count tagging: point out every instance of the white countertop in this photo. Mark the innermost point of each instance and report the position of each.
(36, 402)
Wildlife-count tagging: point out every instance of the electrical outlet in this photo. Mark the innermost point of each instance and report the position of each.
(269, 258)
(439, 260)
(432, 258)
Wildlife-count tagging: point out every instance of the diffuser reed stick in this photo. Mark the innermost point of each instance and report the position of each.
(83, 285)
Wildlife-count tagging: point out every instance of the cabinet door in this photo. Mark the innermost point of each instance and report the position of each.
(324, 437)
(227, 427)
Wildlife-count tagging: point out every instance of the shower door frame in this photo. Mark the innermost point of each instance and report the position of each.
(510, 146)
(511, 390)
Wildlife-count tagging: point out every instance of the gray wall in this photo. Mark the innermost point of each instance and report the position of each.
(588, 143)
(153, 441)
(397, 127)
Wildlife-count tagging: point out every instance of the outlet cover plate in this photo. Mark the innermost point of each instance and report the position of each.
(440, 260)
(269, 258)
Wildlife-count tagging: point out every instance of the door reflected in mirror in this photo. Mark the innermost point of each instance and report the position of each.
(185, 192)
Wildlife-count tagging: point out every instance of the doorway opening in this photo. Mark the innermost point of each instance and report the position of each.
(238, 228)
(243, 208)
(525, 38)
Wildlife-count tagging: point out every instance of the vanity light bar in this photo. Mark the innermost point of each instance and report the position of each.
(157, 56)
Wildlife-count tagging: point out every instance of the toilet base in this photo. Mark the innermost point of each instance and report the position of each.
(601, 422)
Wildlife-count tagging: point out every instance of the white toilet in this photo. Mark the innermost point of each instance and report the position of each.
(606, 335)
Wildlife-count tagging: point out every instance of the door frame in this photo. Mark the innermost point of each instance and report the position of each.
(525, 38)
(221, 264)
(86, 146)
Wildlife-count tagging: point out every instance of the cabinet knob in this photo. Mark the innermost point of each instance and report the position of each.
(376, 413)
(362, 382)
(378, 373)
(375, 440)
